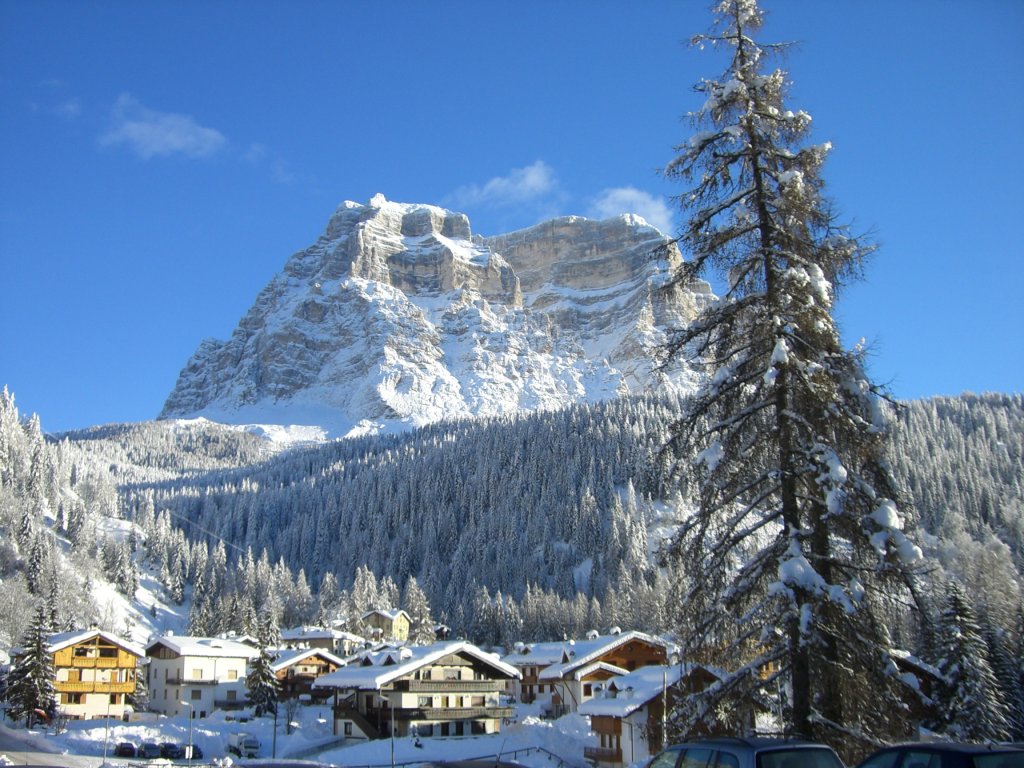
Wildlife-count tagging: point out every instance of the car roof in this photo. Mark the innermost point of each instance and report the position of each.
(952, 746)
(751, 742)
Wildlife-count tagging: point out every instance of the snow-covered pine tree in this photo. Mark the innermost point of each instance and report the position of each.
(421, 631)
(261, 682)
(797, 540)
(30, 689)
(971, 704)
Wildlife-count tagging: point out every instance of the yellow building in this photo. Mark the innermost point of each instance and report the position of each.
(95, 673)
(387, 625)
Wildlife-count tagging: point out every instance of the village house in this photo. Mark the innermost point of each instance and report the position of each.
(627, 713)
(531, 659)
(94, 673)
(564, 675)
(446, 689)
(197, 673)
(334, 640)
(391, 624)
(297, 668)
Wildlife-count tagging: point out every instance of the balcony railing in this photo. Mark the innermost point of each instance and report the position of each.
(104, 662)
(603, 754)
(91, 686)
(450, 686)
(191, 681)
(442, 713)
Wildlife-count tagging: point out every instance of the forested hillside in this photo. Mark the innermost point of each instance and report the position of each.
(506, 524)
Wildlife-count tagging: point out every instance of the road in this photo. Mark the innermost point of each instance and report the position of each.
(20, 749)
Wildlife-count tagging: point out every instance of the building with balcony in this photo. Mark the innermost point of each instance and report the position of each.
(334, 640)
(206, 672)
(94, 673)
(627, 713)
(393, 624)
(446, 689)
(563, 675)
(297, 668)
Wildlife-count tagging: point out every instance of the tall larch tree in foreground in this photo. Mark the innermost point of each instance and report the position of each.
(796, 552)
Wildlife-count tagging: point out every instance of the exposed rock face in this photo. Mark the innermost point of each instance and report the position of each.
(397, 315)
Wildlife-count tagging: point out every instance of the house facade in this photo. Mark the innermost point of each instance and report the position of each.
(197, 673)
(561, 676)
(441, 690)
(296, 669)
(387, 625)
(334, 640)
(627, 714)
(95, 673)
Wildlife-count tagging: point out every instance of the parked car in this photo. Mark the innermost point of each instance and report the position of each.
(946, 755)
(124, 749)
(149, 750)
(171, 751)
(746, 753)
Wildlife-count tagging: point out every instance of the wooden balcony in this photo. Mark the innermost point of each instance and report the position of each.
(450, 686)
(93, 686)
(93, 662)
(603, 754)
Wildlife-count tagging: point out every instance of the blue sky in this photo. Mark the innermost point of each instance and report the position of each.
(160, 161)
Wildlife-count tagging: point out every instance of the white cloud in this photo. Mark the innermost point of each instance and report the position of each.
(613, 202)
(153, 134)
(521, 185)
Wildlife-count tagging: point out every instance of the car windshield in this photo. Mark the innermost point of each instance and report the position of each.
(806, 757)
(1000, 760)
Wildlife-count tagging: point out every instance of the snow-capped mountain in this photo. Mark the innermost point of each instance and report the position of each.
(399, 316)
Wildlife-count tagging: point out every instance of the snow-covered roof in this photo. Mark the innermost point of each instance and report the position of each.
(537, 654)
(635, 689)
(204, 646)
(285, 657)
(377, 670)
(298, 634)
(582, 652)
(390, 614)
(61, 640)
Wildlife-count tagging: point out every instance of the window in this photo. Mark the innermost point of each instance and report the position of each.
(232, 674)
(477, 728)
(588, 689)
(478, 701)
(197, 674)
(727, 760)
(348, 728)
(451, 674)
(540, 688)
(695, 758)
(665, 759)
(425, 702)
(195, 694)
(232, 695)
(115, 698)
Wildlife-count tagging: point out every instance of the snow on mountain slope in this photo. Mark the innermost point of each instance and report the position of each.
(398, 316)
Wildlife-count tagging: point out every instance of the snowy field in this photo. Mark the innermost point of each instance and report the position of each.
(531, 742)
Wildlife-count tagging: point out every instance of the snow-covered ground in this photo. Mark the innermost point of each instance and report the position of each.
(531, 741)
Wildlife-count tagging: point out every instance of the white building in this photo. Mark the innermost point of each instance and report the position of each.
(207, 673)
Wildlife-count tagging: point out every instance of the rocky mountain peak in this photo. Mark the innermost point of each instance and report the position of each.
(397, 315)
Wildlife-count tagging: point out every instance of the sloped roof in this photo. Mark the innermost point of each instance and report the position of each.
(62, 640)
(285, 657)
(204, 646)
(390, 614)
(583, 652)
(377, 670)
(538, 654)
(645, 683)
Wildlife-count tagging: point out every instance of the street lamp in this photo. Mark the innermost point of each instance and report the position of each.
(190, 714)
